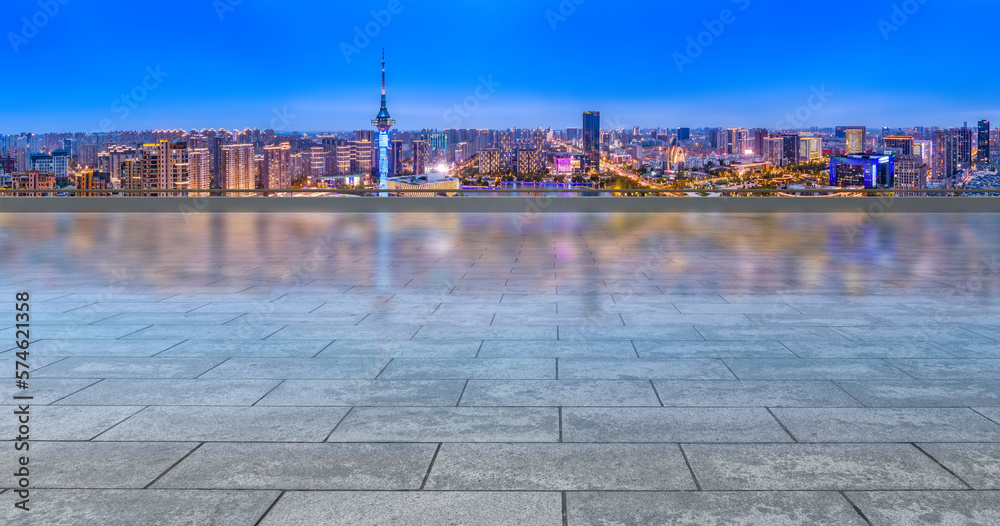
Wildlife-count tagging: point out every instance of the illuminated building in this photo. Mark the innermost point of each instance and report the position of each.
(420, 153)
(490, 160)
(238, 173)
(164, 165)
(810, 149)
(529, 161)
(983, 155)
(774, 150)
(200, 166)
(792, 147)
(855, 137)
(759, 135)
(911, 172)
(674, 156)
(683, 134)
(384, 123)
(952, 152)
(277, 167)
(901, 142)
(862, 170)
(737, 141)
(592, 139)
(56, 163)
(364, 154)
(397, 157)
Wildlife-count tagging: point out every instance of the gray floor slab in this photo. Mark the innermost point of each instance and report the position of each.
(385, 332)
(559, 393)
(753, 394)
(861, 350)
(977, 464)
(449, 424)
(980, 508)
(246, 349)
(770, 333)
(643, 369)
(128, 367)
(556, 349)
(925, 393)
(403, 349)
(469, 368)
(460, 332)
(713, 349)
(365, 393)
(888, 425)
(972, 350)
(167, 318)
(299, 368)
(101, 347)
(631, 332)
(710, 508)
(565, 467)
(227, 424)
(808, 369)
(302, 466)
(751, 425)
(363, 508)
(953, 369)
(53, 422)
(67, 465)
(45, 390)
(129, 507)
(81, 332)
(215, 332)
(172, 392)
(922, 333)
(816, 467)
(734, 308)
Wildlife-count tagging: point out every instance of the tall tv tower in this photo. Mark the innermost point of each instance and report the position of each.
(384, 123)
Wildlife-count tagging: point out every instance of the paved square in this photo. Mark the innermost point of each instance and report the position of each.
(533, 369)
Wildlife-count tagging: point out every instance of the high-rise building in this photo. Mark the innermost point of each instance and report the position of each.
(384, 123)
(200, 166)
(592, 139)
(952, 152)
(420, 153)
(56, 163)
(810, 149)
(529, 161)
(792, 147)
(164, 166)
(364, 153)
(276, 170)
(683, 134)
(983, 155)
(239, 167)
(572, 134)
(490, 160)
(911, 172)
(855, 137)
(759, 134)
(396, 157)
(901, 142)
(774, 150)
(737, 141)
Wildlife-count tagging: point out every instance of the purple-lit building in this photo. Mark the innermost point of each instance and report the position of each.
(863, 170)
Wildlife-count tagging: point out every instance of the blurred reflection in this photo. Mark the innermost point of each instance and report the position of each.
(545, 253)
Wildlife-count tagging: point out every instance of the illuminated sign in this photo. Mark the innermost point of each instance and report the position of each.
(564, 165)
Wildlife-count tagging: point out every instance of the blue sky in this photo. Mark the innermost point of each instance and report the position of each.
(299, 65)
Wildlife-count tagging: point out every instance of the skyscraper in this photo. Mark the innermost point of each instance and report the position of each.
(384, 123)
(397, 157)
(855, 137)
(238, 173)
(592, 139)
(164, 165)
(683, 134)
(200, 169)
(420, 152)
(983, 157)
(901, 142)
(276, 173)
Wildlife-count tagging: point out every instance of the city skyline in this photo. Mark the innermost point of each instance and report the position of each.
(315, 72)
